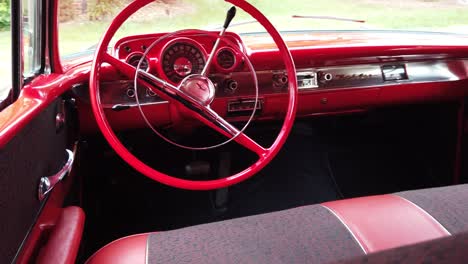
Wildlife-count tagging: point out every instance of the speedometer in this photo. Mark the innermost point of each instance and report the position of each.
(182, 59)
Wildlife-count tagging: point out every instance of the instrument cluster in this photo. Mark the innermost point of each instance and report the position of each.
(175, 58)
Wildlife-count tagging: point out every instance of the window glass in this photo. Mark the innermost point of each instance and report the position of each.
(84, 21)
(5, 49)
(31, 37)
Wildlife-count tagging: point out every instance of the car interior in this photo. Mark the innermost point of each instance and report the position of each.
(212, 146)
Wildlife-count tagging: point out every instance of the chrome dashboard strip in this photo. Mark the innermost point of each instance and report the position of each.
(352, 76)
(130, 105)
(371, 75)
(114, 94)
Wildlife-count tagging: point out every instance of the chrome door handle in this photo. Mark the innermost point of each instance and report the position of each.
(48, 183)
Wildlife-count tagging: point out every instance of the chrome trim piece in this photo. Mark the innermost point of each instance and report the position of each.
(153, 38)
(202, 108)
(60, 117)
(188, 101)
(242, 105)
(349, 76)
(327, 78)
(114, 94)
(213, 53)
(369, 75)
(59, 121)
(435, 71)
(46, 184)
(306, 80)
(198, 87)
(140, 56)
(230, 50)
(356, 76)
(394, 72)
(147, 249)
(131, 105)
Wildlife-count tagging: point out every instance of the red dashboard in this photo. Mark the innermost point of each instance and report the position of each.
(338, 72)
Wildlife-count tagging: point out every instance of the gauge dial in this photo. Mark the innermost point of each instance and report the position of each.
(134, 59)
(182, 59)
(226, 59)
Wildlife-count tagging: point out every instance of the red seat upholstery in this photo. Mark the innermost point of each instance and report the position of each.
(327, 232)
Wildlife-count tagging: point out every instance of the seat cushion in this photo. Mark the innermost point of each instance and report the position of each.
(130, 249)
(386, 221)
(292, 236)
(448, 205)
(322, 233)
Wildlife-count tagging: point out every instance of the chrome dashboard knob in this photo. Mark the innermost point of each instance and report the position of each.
(230, 86)
(325, 77)
(280, 80)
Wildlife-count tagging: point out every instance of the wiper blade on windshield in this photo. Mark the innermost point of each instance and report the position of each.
(298, 16)
(238, 24)
(331, 18)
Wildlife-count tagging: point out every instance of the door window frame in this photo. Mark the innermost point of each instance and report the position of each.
(17, 26)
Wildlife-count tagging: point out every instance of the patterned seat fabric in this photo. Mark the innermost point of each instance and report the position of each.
(329, 232)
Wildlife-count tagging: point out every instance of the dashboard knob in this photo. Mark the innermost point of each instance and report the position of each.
(230, 86)
(324, 77)
(280, 80)
(130, 92)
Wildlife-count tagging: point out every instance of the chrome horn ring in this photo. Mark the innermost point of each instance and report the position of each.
(202, 101)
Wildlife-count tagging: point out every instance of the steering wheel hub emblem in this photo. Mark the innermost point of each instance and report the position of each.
(199, 88)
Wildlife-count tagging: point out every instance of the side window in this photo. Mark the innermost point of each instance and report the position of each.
(23, 30)
(32, 32)
(5, 50)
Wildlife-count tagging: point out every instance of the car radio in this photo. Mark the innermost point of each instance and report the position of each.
(242, 107)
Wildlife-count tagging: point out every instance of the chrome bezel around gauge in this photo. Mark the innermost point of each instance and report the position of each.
(180, 41)
(236, 56)
(135, 57)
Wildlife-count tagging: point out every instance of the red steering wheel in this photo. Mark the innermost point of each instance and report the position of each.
(197, 106)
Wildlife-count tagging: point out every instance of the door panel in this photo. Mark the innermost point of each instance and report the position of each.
(37, 150)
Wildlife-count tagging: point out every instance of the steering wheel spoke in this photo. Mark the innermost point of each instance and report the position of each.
(210, 118)
(123, 67)
(161, 87)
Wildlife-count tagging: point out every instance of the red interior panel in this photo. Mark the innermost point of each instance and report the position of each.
(64, 240)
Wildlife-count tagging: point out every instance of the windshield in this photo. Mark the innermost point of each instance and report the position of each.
(82, 22)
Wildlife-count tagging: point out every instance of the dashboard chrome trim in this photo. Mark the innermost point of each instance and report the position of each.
(177, 42)
(114, 93)
(371, 75)
(152, 38)
(117, 107)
